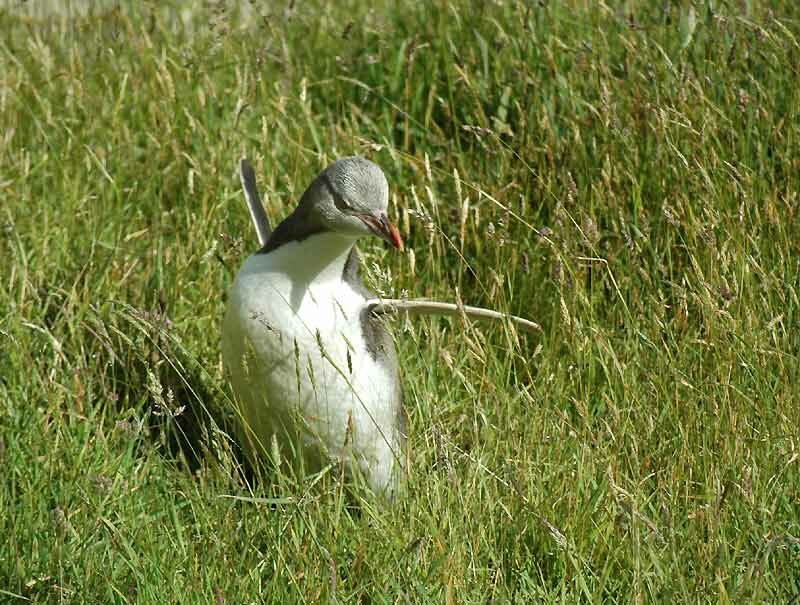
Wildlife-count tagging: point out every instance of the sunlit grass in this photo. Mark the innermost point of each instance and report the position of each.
(627, 180)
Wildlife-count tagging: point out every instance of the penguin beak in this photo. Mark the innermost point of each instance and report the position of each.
(379, 224)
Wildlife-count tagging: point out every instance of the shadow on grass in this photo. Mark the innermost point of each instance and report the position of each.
(166, 394)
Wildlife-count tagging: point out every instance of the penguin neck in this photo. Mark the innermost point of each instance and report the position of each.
(318, 259)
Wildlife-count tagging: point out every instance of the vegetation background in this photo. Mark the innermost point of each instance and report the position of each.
(624, 173)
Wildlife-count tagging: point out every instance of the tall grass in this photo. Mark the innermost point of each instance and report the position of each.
(626, 177)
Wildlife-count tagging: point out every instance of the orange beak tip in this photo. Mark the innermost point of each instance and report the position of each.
(397, 241)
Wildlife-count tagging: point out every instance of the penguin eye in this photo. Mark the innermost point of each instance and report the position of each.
(339, 202)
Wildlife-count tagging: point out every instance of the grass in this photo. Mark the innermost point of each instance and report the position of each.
(626, 177)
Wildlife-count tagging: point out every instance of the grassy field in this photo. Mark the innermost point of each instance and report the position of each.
(626, 175)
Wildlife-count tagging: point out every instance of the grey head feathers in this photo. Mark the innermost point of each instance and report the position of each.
(347, 188)
(358, 183)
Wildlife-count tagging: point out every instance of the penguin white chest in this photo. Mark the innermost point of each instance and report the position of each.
(294, 347)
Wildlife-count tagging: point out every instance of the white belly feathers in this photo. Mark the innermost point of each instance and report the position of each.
(292, 346)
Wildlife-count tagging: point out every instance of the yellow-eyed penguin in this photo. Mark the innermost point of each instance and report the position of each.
(309, 363)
